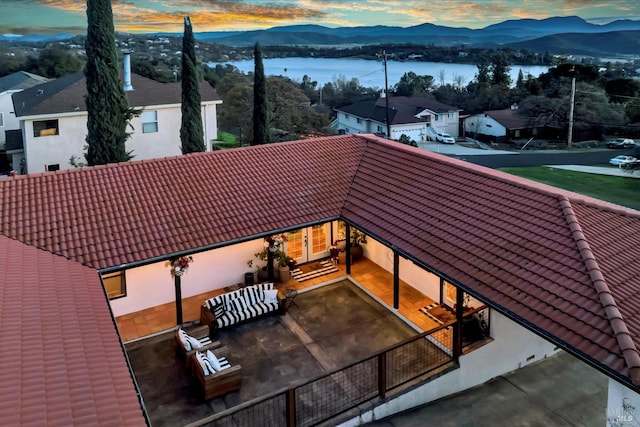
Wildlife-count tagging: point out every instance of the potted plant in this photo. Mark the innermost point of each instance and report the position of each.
(357, 239)
(283, 265)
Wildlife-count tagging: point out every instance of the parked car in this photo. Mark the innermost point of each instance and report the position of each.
(621, 143)
(445, 138)
(622, 160)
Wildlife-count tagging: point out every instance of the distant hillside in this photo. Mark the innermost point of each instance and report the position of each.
(615, 42)
(545, 35)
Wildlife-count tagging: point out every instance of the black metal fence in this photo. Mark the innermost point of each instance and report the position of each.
(334, 393)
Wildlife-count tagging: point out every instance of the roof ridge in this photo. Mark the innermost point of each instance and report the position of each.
(621, 332)
(367, 137)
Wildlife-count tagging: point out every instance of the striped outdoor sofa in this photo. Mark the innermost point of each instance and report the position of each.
(234, 307)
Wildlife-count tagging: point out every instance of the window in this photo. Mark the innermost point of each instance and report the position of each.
(346, 117)
(437, 118)
(359, 120)
(149, 121)
(1, 120)
(115, 284)
(53, 168)
(451, 115)
(45, 128)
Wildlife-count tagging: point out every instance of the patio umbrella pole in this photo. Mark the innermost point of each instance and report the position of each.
(178, 287)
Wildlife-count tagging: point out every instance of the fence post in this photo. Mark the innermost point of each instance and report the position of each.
(382, 375)
(457, 328)
(291, 408)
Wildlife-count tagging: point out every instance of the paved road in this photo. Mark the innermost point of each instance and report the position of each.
(501, 159)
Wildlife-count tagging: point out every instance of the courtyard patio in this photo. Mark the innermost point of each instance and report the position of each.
(331, 327)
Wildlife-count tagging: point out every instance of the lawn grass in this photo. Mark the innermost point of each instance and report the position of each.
(614, 189)
(225, 140)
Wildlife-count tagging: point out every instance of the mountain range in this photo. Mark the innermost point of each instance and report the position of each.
(568, 35)
(564, 35)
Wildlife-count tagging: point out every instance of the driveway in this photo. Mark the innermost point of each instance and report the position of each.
(557, 391)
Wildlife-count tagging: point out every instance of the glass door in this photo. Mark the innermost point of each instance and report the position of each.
(308, 244)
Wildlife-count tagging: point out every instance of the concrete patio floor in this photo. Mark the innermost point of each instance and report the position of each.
(332, 326)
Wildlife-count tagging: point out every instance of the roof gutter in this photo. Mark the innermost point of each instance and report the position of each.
(212, 246)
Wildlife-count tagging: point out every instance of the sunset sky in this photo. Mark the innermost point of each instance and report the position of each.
(53, 16)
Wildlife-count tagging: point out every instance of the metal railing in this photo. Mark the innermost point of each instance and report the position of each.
(334, 393)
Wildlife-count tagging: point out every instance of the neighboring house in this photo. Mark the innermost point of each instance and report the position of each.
(499, 126)
(418, 118)
(556, 268)
(11, 152)
(53, 119)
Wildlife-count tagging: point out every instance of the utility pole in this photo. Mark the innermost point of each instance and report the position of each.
(386, 94)
(573, 98)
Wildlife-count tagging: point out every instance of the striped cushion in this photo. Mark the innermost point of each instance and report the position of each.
(239, 304)
(252, 295)
(218, 310)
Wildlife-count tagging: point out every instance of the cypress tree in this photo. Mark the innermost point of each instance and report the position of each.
(191, 133)
(260, 117)
(107, 107)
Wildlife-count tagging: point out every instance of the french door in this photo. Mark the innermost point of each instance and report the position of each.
(308, 244)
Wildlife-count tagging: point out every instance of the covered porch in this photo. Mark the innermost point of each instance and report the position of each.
(377, 281)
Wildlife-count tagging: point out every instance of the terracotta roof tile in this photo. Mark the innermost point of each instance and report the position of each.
(555, 261)
(56, 326)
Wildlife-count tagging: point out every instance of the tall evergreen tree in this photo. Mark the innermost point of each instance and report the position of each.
(107, 107)
(260, 115)
(191, 133)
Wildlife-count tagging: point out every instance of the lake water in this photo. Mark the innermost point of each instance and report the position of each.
(370, 73)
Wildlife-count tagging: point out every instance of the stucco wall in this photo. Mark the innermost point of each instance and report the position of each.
(57, 149)
(9, 119)
(153, 285)
(623, 406)
(511, 348)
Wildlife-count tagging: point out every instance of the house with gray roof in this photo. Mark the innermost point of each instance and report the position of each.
(557, 269)
(10, 147)
(416, 117)
(499, 125)
(53, 119)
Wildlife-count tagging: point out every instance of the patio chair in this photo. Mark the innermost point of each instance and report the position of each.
(202, 343)
(217, 380)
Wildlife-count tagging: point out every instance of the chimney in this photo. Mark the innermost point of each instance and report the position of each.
(127, 70)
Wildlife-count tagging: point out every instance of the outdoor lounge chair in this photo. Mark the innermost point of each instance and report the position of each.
(224, 379)
(201, 335)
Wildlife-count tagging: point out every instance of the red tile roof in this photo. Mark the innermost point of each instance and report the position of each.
(557, 262)
(62, 362)
(111, 215)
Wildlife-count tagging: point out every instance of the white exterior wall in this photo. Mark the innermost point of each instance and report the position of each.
(350, 124)
(511, 348)
(483, 124)
(9, 117)
(446, 123)
(57, 149)
(623, 405)
(153, 285)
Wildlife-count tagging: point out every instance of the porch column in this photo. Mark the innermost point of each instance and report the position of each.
(396, 280)
(348, 247)
(457, 330)
(178, 286)
(270, 265)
